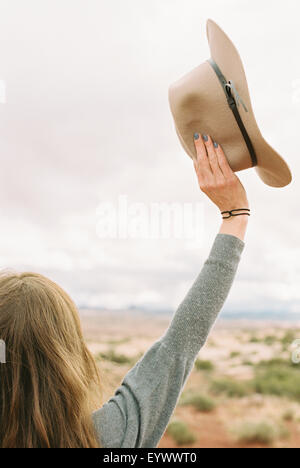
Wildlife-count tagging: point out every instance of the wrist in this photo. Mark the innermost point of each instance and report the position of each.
(235, 225)
(235, 212)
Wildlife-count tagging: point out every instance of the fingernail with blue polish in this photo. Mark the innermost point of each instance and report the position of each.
(196, 136)
(205, 137)
(215, 144)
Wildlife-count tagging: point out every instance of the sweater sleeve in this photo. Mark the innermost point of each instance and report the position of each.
(138, 413)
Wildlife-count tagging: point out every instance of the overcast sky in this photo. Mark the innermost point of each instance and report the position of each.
(84, 119)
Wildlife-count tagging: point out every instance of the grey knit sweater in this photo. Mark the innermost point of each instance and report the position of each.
(139, 411)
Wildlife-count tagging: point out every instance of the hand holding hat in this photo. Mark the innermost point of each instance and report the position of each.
(214, 99)
(216, 178)
(218, 181)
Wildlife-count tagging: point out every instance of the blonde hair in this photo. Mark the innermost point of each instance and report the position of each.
(50, 383)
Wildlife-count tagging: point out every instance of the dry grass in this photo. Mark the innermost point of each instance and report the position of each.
(180, 432)
(262, 432)
(200, 402)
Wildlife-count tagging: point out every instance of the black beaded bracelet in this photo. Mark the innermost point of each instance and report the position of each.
(231, 212)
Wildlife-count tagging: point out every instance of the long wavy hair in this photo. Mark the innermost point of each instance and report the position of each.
(50, 383)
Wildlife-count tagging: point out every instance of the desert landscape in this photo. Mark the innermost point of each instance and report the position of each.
(244, 390)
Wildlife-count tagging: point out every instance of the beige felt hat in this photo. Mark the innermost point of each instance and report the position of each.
(213, 99)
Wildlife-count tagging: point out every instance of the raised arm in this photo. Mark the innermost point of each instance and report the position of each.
(209, 291)
(138, 413)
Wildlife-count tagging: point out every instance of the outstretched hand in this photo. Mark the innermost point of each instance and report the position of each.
(216, 178)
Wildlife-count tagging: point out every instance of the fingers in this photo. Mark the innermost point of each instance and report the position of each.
(216, 178)
(211, 163)
(223, 162)
(201, 160)
(212, 157)
(201, 163)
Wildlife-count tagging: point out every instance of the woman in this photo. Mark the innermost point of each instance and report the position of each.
(50, 381)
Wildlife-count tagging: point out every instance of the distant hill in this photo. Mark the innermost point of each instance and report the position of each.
(226, 314)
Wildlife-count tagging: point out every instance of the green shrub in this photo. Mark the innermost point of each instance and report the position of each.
(127, 339)
(274, 363)
(232, 388)
(288, 415)
(288, 338)
(234, 354)
(252, 432)
(180, 432)
(247, 363)
(204, 365)
(200, 402)
(112, 356)
(279, 380)
(270, 340)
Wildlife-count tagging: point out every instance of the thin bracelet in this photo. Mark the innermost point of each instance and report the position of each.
(231, 212)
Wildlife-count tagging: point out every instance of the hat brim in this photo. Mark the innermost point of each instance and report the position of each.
(271, 168)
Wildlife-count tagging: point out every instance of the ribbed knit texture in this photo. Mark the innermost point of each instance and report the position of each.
(138, 413)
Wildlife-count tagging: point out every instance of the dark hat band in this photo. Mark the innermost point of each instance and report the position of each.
(233, 104)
